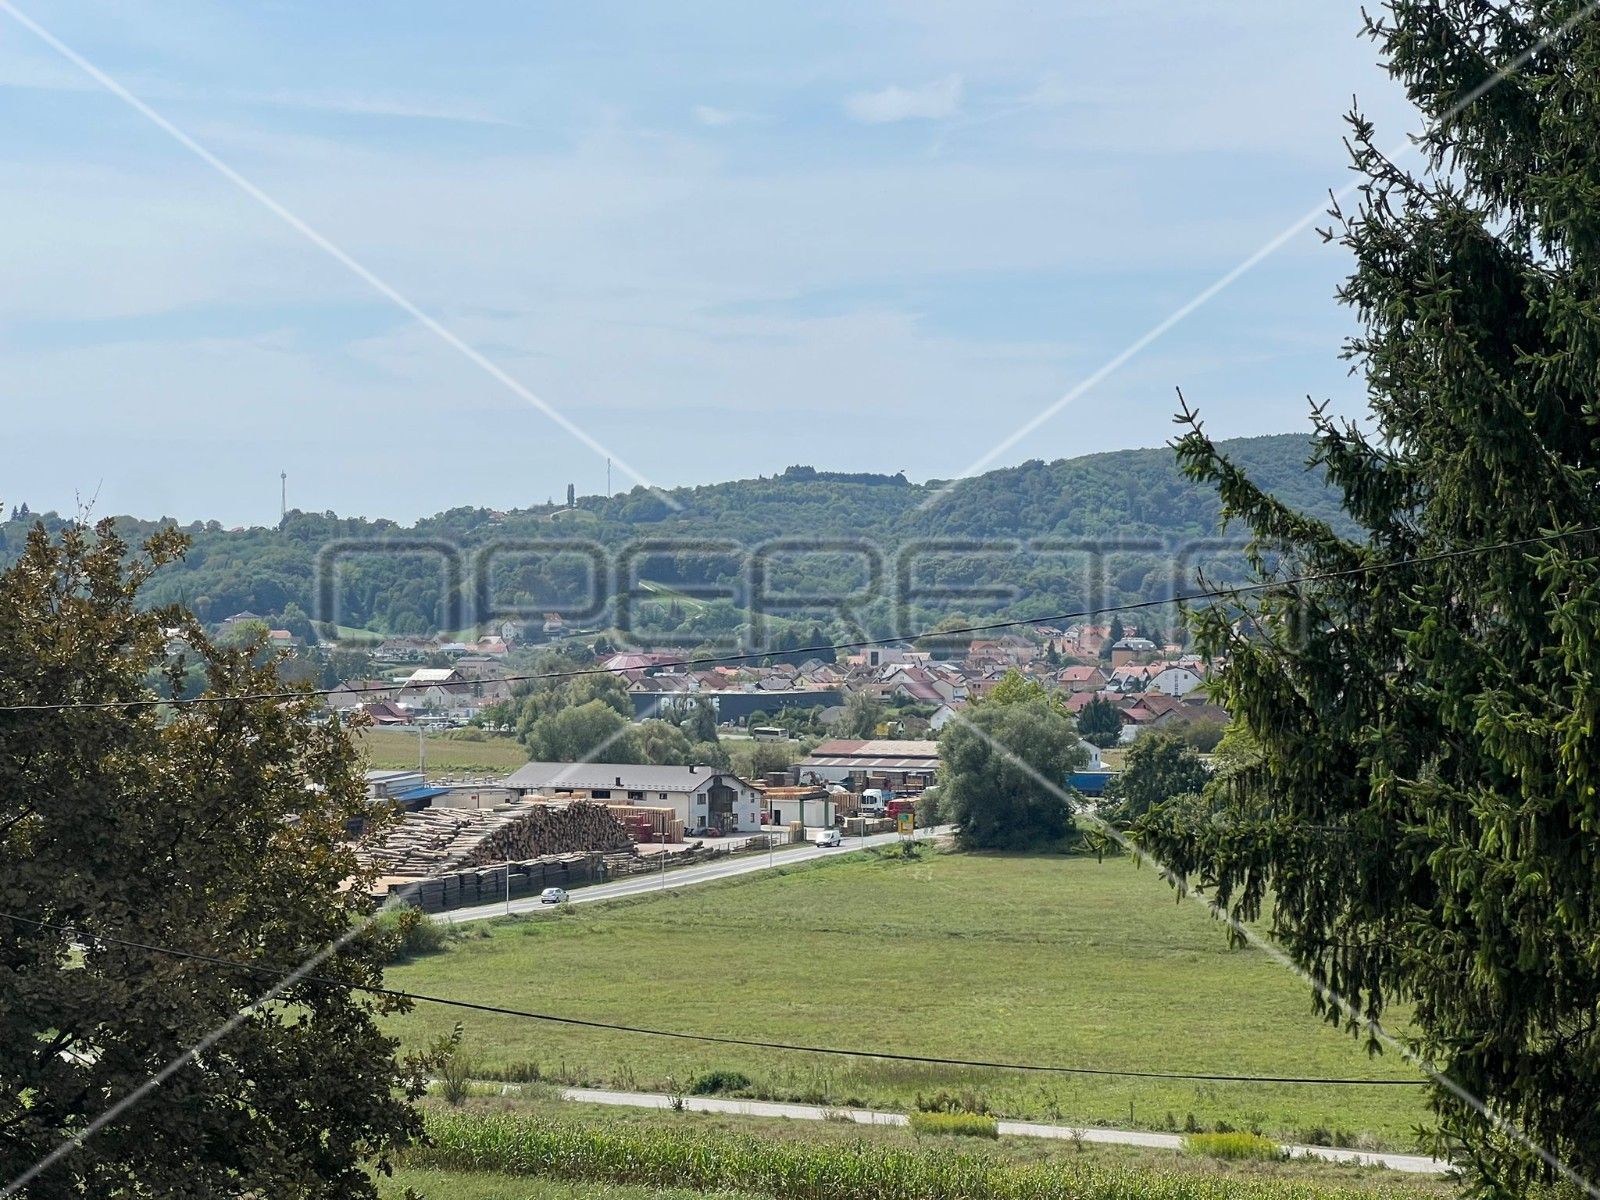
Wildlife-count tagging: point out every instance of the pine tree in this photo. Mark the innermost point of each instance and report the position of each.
(1423, 810)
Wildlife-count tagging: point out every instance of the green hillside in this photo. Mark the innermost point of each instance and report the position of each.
(1035, 538)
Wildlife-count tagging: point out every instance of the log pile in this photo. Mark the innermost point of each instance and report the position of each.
(552, 829)
(437, 841)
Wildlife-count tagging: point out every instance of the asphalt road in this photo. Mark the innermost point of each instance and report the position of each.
(1415, 1164)
(722, 868)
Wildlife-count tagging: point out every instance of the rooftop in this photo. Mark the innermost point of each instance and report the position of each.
(633, 776)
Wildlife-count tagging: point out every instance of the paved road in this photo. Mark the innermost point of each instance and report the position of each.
(722, 868)
(1416, 1164)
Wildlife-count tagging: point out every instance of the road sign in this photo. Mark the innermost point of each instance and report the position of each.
(907, 823)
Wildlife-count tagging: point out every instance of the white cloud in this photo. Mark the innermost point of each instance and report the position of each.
(942, 98)
(717, 117)
(358, 104)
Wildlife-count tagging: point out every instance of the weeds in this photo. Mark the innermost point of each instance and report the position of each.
(713, 1083)
(1234, 1145)
(954, 1124)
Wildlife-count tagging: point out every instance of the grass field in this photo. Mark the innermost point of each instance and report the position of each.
(1048, 960)
(396, 749)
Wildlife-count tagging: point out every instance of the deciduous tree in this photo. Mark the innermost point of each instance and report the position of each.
(1004, 769)
(215, 829)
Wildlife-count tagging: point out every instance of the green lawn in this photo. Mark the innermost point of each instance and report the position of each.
(396, 749)
(1051, 960)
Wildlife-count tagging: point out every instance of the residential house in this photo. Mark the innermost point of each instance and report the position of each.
(1173, 680)
(1082, 679)
(435, 689)
(1130, 648)
(386, 712)
(354, 693)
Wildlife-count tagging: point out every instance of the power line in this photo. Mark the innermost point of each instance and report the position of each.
(835, 647)
(718, 1039)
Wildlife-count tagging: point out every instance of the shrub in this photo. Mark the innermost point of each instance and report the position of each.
(406, 932)
(1237, 1145)
(455, 1076)
(965, 1101)
(713, 1082)
(954, 1124)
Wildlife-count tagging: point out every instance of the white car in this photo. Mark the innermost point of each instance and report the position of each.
(828, 838)
(553, 896)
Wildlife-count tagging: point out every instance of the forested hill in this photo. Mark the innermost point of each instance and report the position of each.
(389, 576)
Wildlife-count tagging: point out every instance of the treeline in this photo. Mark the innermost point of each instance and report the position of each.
(1018, 541)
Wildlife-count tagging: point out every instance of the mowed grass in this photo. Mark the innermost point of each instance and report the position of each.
(396, 749)
(1047, 960)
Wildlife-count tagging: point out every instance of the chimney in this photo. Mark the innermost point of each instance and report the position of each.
(619, 781)
(694, 768)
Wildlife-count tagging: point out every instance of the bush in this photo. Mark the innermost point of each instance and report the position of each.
(1237, 1145)
(455, 1075)
(406, 932)
(713, 1082)
(954, 1124)
(965, 1101)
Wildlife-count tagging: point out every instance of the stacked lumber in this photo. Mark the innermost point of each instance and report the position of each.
(437, 841)
(490, 885)
(658, 824)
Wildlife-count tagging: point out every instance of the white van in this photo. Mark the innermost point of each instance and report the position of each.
(829, 838)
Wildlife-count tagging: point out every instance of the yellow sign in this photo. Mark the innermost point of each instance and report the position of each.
(907, 822)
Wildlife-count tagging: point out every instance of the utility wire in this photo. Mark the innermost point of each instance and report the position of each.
(835, 647)
(717, 1039)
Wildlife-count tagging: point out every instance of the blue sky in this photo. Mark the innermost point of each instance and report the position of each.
(718, 238)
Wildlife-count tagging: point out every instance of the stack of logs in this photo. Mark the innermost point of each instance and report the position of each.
(552, 829)
(437, 840)
(438, 859)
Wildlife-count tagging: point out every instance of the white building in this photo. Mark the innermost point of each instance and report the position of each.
(1174, 681)
(698, 795)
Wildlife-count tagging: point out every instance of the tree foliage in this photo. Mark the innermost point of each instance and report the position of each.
(1418, 798)
(1159, 765)
(863, 713)
(389, 577)
(1004, 768)
(218, 830)
(1100, 723)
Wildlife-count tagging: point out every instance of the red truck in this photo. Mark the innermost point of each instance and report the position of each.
(896, 807)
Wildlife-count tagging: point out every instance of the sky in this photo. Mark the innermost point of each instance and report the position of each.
(712, 239)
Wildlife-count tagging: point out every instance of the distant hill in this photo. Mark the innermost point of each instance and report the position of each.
(1038, 524)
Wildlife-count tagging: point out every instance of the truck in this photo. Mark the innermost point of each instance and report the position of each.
(875, 802)
(904, 804)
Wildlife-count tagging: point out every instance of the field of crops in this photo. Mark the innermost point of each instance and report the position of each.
(1049, 960)
(665, 1157)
